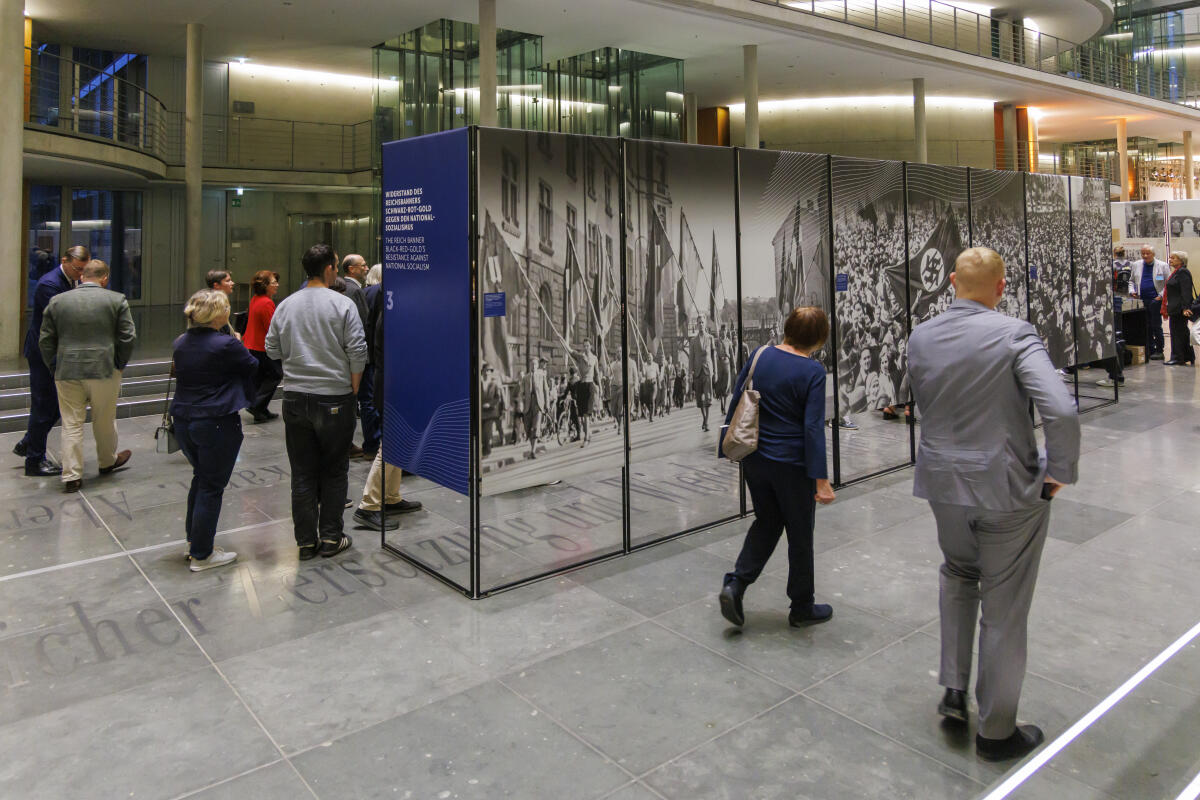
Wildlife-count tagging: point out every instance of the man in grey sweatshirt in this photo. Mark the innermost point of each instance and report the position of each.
(318, 336)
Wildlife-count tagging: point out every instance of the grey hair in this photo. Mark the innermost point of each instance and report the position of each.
(1181, 255)
(374, 275)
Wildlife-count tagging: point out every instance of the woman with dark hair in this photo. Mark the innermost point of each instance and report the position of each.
(786, 475)
(262, 307)
(1179, 304)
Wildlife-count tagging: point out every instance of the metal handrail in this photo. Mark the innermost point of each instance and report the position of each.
(931, 22)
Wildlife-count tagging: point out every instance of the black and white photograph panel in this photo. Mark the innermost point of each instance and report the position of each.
(1185, 226)
(871, 294)
(1146, 223)
(1050, 290)
(1091, 238)
(551, 377)
(681, 286)
(939, 228)
(998, 222)
(1145, 220)
(784, 215)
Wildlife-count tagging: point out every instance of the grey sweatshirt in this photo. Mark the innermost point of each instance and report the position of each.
(318, 336)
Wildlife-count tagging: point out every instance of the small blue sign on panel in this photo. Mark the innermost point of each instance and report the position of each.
(493, 304)
(843, 282)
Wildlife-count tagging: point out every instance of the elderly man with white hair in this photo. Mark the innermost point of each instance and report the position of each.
(1146, 282)
(974, 373)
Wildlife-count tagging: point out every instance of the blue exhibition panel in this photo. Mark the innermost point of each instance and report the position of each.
(427, 307)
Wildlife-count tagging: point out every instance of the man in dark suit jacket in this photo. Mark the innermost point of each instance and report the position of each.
(43, 399)
(354, 271)
(87, 338)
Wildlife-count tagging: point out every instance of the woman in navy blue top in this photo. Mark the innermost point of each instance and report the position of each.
(786, 475)
(214, 377)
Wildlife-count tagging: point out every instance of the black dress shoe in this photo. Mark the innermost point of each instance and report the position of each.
(1023, 741)
(19, 449)
(731, 602)
(1156, 357)
(403, 507)
(954, 705)
(1172, 363)
(814, 614)
(72, 486)
(374, 520)
(122, 459)
(43, 469)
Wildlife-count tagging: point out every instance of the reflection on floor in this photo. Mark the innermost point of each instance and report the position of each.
(122, 674)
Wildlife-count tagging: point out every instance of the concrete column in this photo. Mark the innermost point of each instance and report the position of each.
(920, 134)
(1032, 145)
(193, 158)
(750, 77)
(12, 123)
(1187, 164)
(689, 118)
(1122, 160)
(1009, 117)
(487, 63)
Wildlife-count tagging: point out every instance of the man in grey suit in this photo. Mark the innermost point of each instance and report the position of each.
(975, 373)
(86, 338)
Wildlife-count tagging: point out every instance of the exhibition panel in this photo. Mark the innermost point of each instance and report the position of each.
(566, 315)
(871, 291)
(552, 436)
(681, 295)
(998, 221)
(1048, 240)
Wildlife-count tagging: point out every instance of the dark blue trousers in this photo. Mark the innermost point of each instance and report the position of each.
(211, 446)
(368, 414)
(43, 411)
(784, 497)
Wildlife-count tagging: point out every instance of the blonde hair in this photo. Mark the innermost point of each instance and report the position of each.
(977, 269)
(205, 306)
(95, 270)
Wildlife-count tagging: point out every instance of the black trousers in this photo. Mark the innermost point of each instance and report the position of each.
(270, 373)
(43, 411)
(1154, 335)
(1181, 342)
(784, 497)
(318, 430)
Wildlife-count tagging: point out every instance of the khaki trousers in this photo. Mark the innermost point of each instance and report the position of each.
(372, 497)
(74, 397)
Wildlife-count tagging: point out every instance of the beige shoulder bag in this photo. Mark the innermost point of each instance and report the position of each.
(741, 435)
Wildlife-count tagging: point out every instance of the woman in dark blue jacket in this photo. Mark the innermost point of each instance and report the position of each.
(214, 377)
(786, 475)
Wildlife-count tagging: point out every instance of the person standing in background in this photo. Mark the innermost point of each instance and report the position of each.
(262, 307)
(355, 270)
(1146, 283)
(87, 338)
(220, 280)
(1178, 305)
(43, 398)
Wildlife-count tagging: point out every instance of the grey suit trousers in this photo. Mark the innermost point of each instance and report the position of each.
(991, 557)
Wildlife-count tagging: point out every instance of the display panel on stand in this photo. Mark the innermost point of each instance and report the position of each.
(551, 385)
(427, 355)
(870, 276)
(681, 293)
(1049, 241)
(998, 222)
(1091, 242)
(784, 212)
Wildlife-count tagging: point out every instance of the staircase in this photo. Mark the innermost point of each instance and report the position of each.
(143, 388)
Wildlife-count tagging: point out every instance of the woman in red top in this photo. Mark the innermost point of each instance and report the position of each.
(262, 308)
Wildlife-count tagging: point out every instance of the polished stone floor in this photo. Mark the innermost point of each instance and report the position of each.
(124, 675)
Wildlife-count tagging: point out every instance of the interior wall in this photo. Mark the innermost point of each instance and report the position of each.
(293, 95)
(958, 134)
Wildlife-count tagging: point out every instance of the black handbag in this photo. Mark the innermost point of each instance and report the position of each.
(240, 320)
(164, 435)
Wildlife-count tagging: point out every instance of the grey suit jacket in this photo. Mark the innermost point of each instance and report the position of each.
(974, 372)
(87, 333)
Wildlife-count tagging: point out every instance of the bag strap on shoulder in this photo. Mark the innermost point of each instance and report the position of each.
(753, 364)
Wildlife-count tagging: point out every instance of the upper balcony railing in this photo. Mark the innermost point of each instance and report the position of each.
(944, 25)
(69, 96)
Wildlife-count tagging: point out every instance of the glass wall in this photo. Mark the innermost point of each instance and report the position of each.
(616, 93)
(45, 222)
(109, 224)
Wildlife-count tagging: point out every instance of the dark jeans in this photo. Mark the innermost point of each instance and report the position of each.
(270, 373)
(1181, 342)
(318, 430)
(368, 415)
(1154, 334)
(43, 411)
(211, 446)
(784, 497)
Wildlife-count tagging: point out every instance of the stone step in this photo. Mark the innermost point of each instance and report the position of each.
(12, 380)
(143, 391)
(126, 408)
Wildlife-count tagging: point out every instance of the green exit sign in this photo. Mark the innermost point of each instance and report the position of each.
(237, 202)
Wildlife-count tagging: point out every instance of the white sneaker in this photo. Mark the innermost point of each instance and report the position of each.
(217, 558)
(1105, 382)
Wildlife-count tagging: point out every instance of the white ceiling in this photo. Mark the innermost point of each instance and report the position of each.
(336, 36)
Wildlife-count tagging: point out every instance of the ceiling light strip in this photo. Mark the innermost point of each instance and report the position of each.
(1038, 761)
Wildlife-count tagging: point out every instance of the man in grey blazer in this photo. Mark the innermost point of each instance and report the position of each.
(975, 375)
(86, 339)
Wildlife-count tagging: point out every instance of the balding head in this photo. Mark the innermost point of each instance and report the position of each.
(979, 275)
